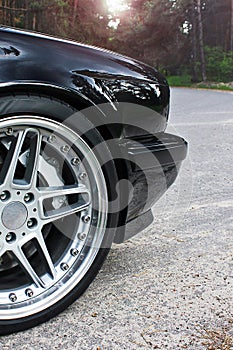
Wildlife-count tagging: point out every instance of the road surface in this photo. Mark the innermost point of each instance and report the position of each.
(171, 286)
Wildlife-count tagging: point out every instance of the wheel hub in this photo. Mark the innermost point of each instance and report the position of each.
(14, 215)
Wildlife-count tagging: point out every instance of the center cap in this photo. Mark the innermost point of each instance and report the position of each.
(14, 215)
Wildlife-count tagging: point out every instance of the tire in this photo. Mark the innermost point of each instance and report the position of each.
(55, 208)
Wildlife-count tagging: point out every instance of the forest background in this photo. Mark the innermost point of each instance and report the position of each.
(190, 41)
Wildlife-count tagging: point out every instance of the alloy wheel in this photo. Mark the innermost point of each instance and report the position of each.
(53, 213)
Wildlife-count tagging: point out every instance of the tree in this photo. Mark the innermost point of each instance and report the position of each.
(89, 21)
(231, 37)
(75, 9)
(201, 40)
(151, 31)
(194, 43)
(168, 34)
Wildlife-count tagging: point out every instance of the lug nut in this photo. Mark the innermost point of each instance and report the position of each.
(65, 149)
(74, 252)
(4, 195)
(29, 293)
(51, 139)
(64, 266)
(82, 176)
(82, 236)
(10, 237)
(13, 297)
(86, 219)
(75, 161)
(30, 223)
(28, 197)
(9, 131)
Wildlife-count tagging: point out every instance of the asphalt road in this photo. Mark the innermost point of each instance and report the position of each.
(171, 286)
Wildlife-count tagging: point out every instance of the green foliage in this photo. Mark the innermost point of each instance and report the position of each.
(183, 80)
(149, 30)
(163, 33)
(219, 64)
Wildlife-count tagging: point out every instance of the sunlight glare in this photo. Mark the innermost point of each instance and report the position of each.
(116, 6)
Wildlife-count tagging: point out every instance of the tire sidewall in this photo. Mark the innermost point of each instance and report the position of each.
(56, 110)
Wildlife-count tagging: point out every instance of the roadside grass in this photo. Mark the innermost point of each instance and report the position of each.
(182, 80)
(220, 86)
(185, 81)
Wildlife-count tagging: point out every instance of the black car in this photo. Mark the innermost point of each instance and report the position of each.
(83, 158)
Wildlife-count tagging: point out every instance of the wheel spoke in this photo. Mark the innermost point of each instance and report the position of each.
(27, 267)
(8, 175)
(2, 250)
(81, 202)
(46, 255)
(33, 159)
(49, 199)
(10, 163)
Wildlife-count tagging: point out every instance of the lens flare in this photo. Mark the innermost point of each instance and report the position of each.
(116, 6)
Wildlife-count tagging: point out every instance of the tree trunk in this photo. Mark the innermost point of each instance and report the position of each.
(34, 21)
(3, 12)
(194, 43)
(75, 9)
(26, 17)
(12, 13)
(201, 41)
(231, 36)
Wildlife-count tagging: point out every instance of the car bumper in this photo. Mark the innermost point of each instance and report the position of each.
(153, 165)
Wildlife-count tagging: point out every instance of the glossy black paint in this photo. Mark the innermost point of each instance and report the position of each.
(160, 157)
(86, 76)
(95, 76)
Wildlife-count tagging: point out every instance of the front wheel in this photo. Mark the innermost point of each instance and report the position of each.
(54, 210)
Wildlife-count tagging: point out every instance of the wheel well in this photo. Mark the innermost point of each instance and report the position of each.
(78, 103)
(74, 99)
(70, 97)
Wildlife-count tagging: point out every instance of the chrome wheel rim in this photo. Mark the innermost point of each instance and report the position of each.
(53, 213)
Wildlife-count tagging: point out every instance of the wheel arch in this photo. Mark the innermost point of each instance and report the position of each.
(75, 99)
(70, 96)
(78, 102)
